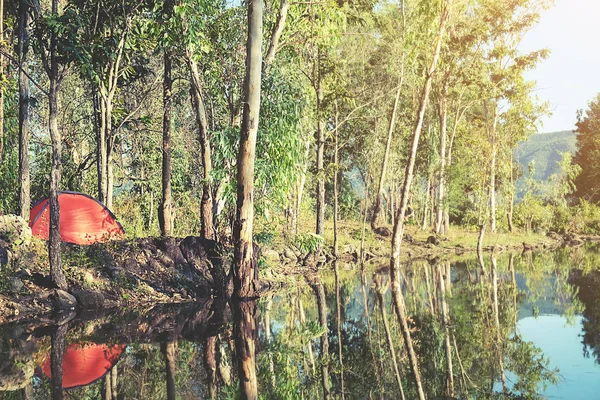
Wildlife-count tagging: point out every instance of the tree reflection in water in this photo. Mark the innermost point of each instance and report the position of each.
(462, 317)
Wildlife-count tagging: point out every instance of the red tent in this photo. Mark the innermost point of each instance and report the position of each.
(83, 219)
(84, 364)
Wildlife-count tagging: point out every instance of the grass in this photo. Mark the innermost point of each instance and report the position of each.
(350, 231)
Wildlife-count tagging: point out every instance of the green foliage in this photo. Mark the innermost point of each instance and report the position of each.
(308, 242)
(588, 152)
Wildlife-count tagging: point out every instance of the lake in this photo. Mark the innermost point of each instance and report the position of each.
(518, 326)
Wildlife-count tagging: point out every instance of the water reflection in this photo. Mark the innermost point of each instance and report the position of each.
(489, 327)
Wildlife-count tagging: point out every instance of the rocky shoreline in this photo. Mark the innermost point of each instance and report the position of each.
(149, 271)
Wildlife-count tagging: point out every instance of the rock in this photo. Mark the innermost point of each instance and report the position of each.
(271, 255)
(383, 231)
(171, 250)
(63, 300)
(192, 248)
(88, 299)
(289, 254)
(434, 240)
(15, 285)
(553, 235)
(15, 230)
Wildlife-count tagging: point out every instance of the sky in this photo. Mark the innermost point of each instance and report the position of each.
(570, 77)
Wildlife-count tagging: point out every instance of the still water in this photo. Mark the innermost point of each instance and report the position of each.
(520, 326)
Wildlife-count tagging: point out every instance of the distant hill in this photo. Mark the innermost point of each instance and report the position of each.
(545, 150)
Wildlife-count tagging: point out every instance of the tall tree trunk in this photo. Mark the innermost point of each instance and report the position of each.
(386, 155)
(24, 176)
(168, 350)
(206, 207)
(54, 241)
(512, 199)
(245, 346)
(301, 187)
(427, 193)
(442, 113)
(397, 296)
(338, 306)
(320, 229)
(113, 382)
(311, 354)
(380, 290)
(497, 322)
(322, 309)
(284, 5)
(101, 146)
(245, 270)
(447, 346)
(491, 131)
(210, 363)
(56, 360)
(364, 223)
(267, 329)
(2, 78)
(107, 387)
(335, 187)
(165, 209)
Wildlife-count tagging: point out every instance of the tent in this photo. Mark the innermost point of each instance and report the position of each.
(83, 219)
(85, 363)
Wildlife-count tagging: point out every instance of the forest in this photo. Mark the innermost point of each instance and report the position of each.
(226, 137)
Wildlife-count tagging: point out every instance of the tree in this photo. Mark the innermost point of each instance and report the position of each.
(165, 216)
(22, 50)
(245, 268)
(587, 155)
(47, 30)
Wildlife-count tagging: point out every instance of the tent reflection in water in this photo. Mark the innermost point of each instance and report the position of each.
(83, 219)
(84, 364)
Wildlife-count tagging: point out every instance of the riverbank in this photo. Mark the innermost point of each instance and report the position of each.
(143, 272)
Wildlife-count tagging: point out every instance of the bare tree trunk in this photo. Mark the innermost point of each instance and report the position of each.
(284, 5)
(1, 77)
(54, 241)
(113, 382)
(480, 248)
(206, 207)
(56, 361)
(320, 229)
(164, 211)
(322, 308)
(380, 290)
(448, 347)
(497, 322)
(24, 176)
(267, 329)
(301, 187)
(168, 350)
(245, 346)
(427, 193)
(335, 188)
(101, 149)
(364, 224)
(442, 112)
(388, 145)
(245, 272)
(338, 307)
(397, 296)
(512, 199)
(210, 363)
(107, 387)
(303, 321)
(491, 131)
